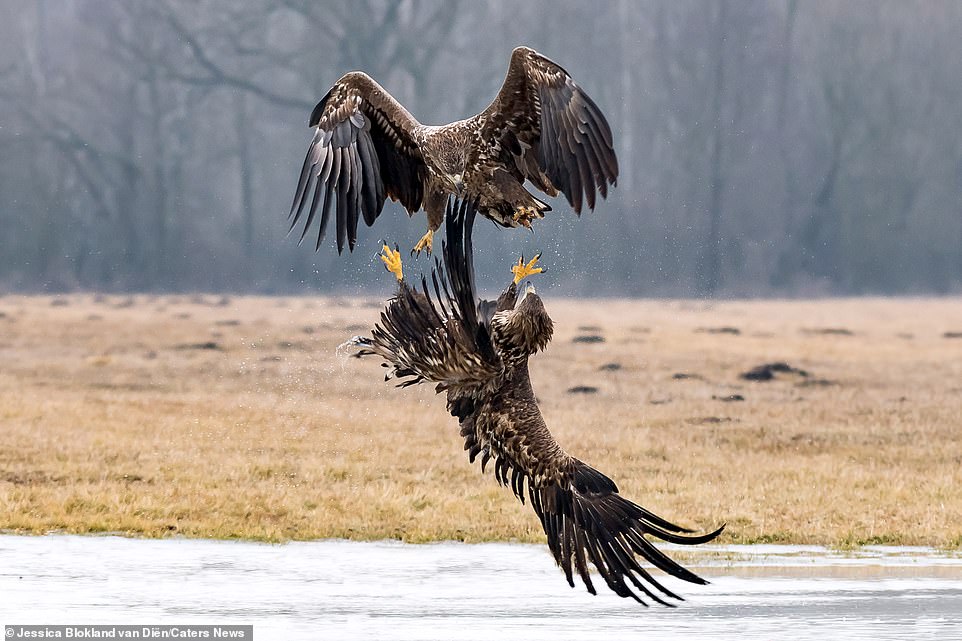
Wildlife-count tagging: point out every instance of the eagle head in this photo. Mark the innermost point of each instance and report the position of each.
(524, 329)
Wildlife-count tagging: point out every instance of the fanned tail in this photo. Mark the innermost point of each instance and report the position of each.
(588, 521)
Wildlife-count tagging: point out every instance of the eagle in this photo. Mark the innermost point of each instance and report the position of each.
(541, 128)
(477, 352)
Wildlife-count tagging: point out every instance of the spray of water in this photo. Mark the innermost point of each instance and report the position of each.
(344, 351)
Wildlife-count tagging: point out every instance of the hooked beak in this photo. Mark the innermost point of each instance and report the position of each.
(458, 185)
(528, 289)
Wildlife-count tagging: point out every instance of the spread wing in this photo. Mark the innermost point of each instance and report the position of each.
(362, 153)
(585, 519)
(436, 333)
(547, 128)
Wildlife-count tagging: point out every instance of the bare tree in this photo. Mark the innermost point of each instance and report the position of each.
(764, 147)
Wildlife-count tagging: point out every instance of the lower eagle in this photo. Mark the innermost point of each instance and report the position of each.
(477, 353)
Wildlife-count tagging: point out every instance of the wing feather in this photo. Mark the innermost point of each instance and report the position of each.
(370, 142)
(329, 186)
(583, 516)
(357, 188)
(313, 210)
(434, 333)
(372, 190)
(541, 111)
(302, 187)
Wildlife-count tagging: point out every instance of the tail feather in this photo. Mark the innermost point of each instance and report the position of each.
(589, 521)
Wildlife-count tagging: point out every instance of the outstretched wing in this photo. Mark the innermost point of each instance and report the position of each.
(585, 519)
(362, 153)
(434, 333)
(547, 128)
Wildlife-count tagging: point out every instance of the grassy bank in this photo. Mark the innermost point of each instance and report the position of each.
(236, 417)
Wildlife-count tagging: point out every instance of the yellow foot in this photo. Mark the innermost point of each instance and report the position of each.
(521, 270)
(392, 260)
(424, 243)
(523, 215)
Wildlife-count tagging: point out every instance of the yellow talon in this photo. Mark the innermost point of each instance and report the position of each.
(392, 260)
(521, 270)
(425, 243)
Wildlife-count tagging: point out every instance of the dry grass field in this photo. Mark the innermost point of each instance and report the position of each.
(238, 417)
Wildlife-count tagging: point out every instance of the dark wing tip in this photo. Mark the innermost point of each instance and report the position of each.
(365, 136)
(576, 147)
(588, 522)
(319, 109)
(713, 534)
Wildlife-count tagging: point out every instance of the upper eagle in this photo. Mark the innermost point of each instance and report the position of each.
(541, 127)
(477, 352)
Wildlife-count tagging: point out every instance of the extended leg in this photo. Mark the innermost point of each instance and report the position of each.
(392, 261)
(424, 243)
(434, 203)
(523, 215)
(522, 270)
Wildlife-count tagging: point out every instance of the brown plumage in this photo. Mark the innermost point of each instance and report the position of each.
(477, 353)
(541, 127)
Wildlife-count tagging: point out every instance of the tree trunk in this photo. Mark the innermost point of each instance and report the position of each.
(709, 270)
(245, 165)
(161, 262)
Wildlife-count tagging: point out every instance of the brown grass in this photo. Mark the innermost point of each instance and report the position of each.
(237, 418)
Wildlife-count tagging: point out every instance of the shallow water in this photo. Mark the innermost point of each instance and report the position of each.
(340, 589)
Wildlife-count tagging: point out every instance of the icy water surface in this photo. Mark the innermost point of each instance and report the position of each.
(346, 590)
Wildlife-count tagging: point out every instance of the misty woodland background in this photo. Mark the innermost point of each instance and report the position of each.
(766, 147)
